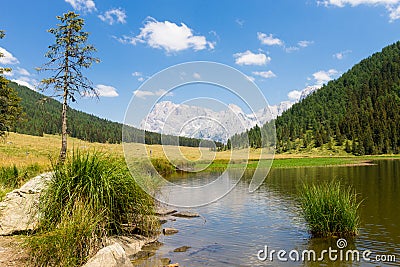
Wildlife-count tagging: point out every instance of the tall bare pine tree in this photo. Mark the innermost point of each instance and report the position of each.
(68, 56)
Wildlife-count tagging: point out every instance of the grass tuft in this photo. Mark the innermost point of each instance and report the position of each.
(91, 196)
(330, 209)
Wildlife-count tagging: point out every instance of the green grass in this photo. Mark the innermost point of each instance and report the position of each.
(14, 177)
(330, 209)
(91, 196)
(221, 165)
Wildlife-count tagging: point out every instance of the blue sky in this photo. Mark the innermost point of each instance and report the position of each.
(283, 45)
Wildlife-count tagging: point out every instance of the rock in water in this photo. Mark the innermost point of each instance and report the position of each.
(18, 211)
(110, 256)
(182, 249)
(170, 231)
(186, 214)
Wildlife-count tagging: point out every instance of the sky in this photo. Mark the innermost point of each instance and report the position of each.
(283, 46)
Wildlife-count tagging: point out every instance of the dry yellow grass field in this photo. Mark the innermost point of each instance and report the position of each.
(22, 150)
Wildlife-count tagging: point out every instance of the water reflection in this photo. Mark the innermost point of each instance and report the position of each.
(233, 229)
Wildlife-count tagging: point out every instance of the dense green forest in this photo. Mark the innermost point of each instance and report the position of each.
(359, 112)
(43, 116)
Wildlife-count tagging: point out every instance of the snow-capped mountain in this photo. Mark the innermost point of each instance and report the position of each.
(199, 122)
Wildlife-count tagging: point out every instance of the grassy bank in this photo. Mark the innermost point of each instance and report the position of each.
(330, 209)
(12, 177)
(24, 150)
(91, 197)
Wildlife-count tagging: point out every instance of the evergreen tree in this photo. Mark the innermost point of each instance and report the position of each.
(10, 109)
(68, 56)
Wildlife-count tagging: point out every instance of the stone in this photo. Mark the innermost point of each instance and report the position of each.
(18, 210)
(162, 211)
(110, 256)
(170, 231)
(131, 245)
(186, 214)
(182, 249)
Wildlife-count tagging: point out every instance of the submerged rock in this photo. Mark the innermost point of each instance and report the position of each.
(110, 256)
(162, 211)
(182, 249)
(18, 210)
(170, 231)
(186, 214)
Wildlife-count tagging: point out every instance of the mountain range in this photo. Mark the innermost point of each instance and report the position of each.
(200, 122)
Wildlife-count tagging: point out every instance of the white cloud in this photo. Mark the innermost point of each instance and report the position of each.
(251, 78)
(321, 77)
(291, 49)
(269, 39)
(341, 55)
(168, 36)
(7, 57)
(294, 95)
(139, 76)
(106, 90)
(22, 71)
(305, 43)
(144, 94)
(264, 74)
(26, 81)
(82, 5)
(249, 58)
(392, 6)
(197, 76)
(114, 15)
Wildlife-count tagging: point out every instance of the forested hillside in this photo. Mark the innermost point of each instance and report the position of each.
(359, 112)
(43, 116)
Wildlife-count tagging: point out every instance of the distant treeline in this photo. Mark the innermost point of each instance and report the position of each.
(43, 116)
(359, 112)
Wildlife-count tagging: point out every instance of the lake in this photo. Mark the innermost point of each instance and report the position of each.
(234, 229)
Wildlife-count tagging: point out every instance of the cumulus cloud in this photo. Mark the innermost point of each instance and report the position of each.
(341, 55)
(82, 5)
(145, 94)
(305, 43)
(106, 90)
(114, 15)
(138, 75)
(26, 81)
(264, 74)
(321, 77)
(168, 36)
(7, 58)
(269, 39)
(249, 58)
(294, 95)
(392, 6)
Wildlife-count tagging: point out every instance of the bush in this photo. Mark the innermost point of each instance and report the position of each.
(91, 196)
(330, 209)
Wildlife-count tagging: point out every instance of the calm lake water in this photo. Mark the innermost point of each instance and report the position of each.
(232, 230)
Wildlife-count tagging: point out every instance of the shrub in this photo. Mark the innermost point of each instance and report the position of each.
(330, 209)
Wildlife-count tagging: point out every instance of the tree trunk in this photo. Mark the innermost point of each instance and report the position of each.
(63, 152)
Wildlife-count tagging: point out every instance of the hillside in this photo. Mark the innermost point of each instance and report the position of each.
(43, 116)
(359, 112)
